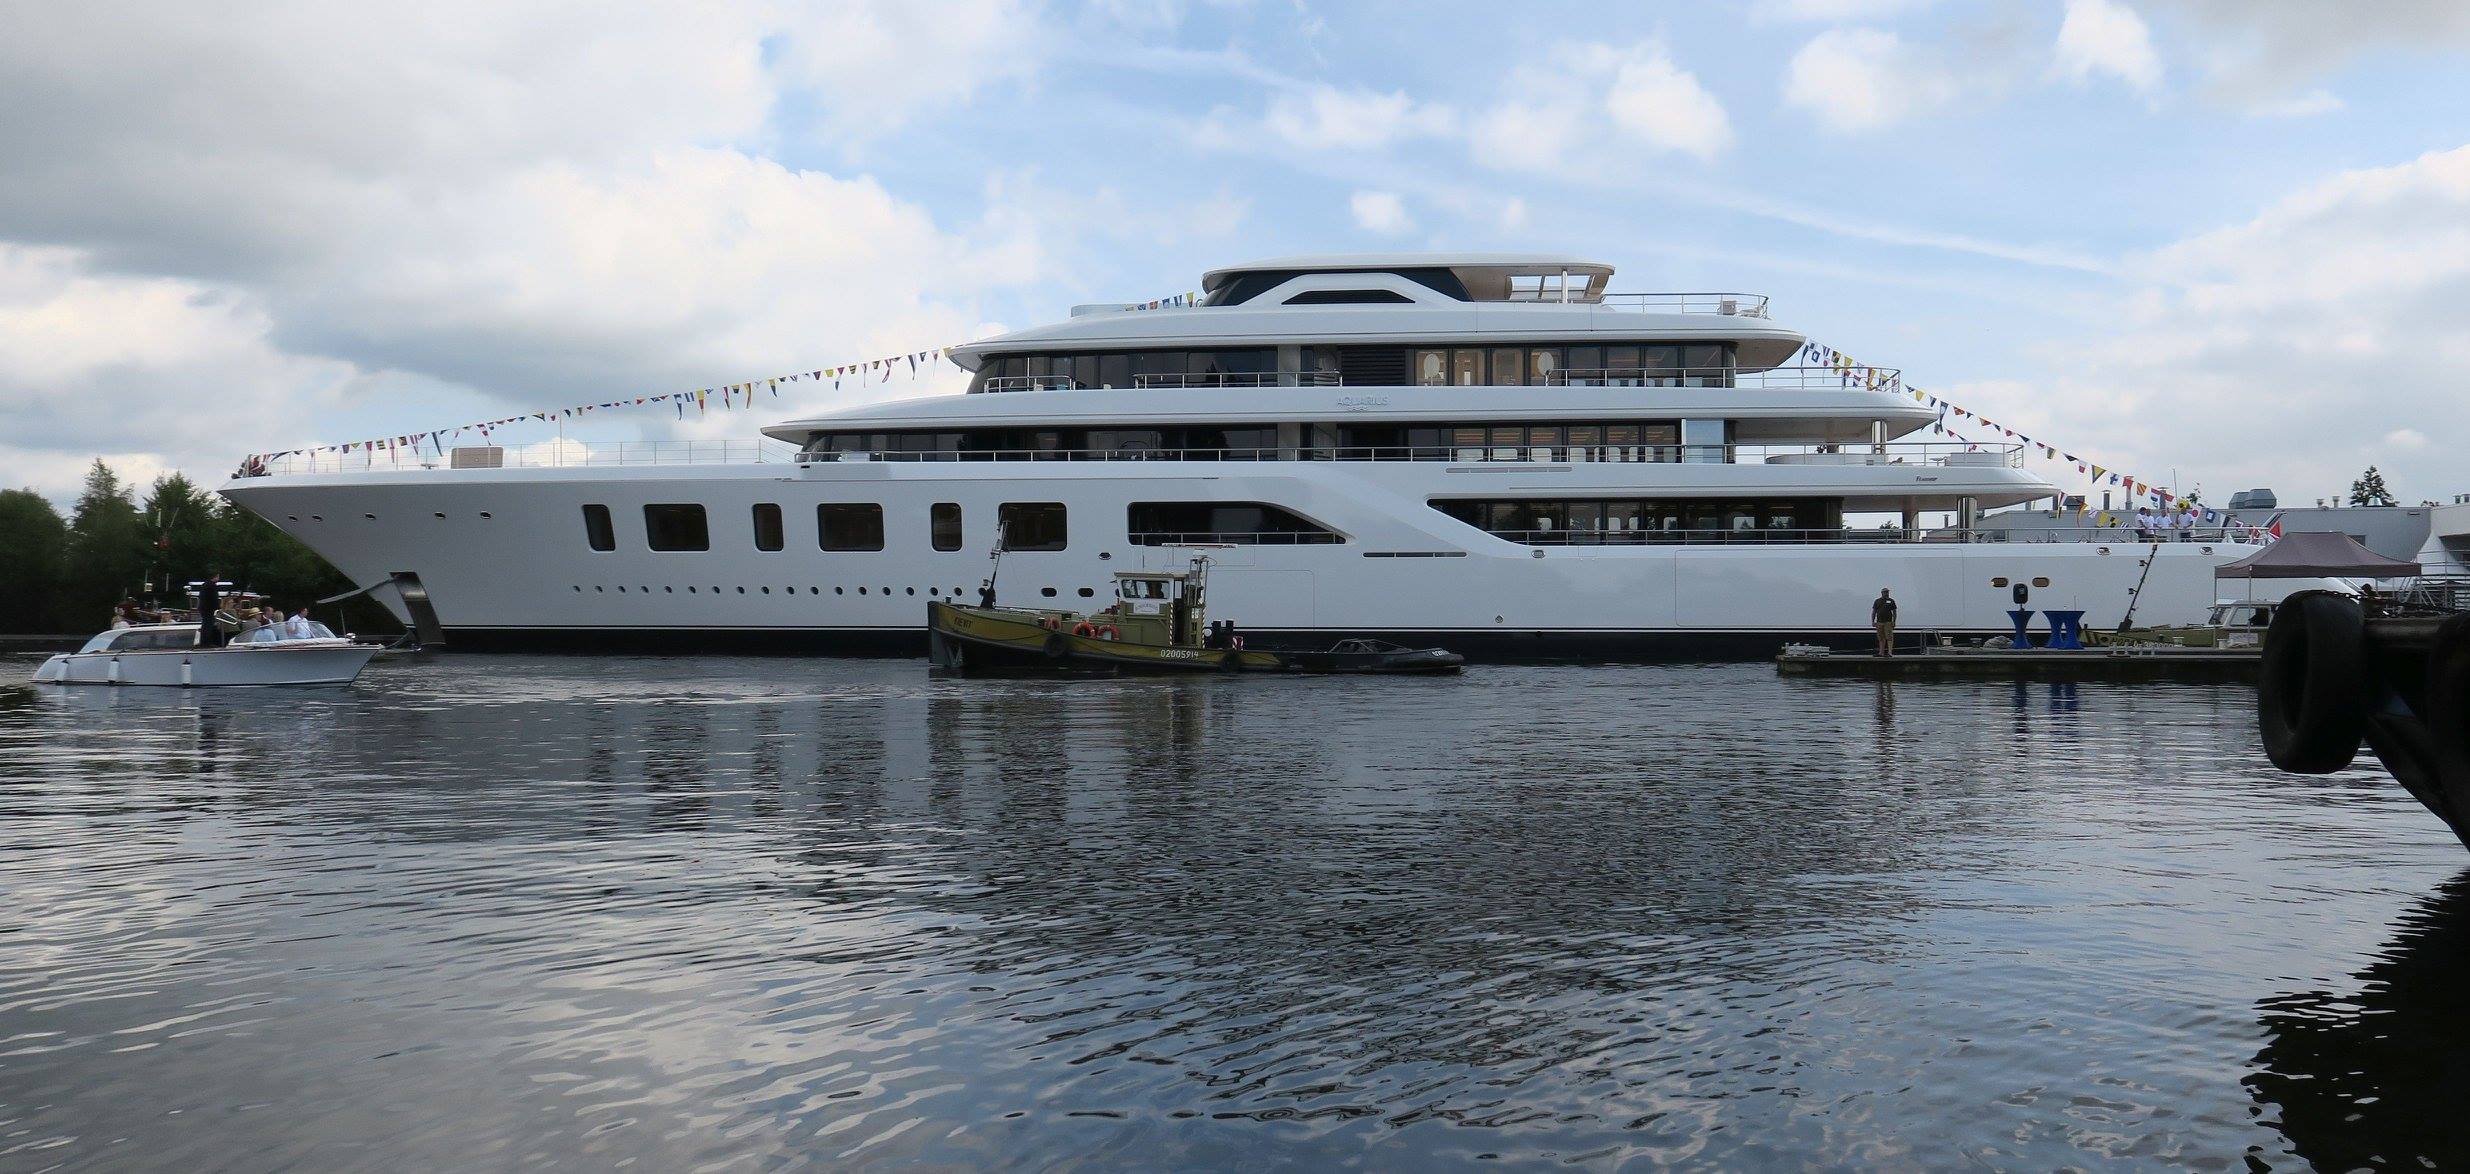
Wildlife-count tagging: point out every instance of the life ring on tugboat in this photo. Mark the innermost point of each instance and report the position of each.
(2311, 703)
(1108, 632)
(1084, 629)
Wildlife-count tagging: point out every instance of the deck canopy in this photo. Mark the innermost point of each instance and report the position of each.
(2312, 554)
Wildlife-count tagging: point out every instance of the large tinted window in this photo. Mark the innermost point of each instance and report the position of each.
(1031, 525)
(767, 526)
(944, 525)
(849, 526)
(676, 527)
(596, 528)
(1156, 523)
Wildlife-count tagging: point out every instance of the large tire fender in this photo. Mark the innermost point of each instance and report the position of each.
(2311, 705)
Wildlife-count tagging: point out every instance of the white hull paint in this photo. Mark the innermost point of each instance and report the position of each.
(503, 554)
(262, 665)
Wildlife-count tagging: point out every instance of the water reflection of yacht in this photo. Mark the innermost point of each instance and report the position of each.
(1488, 452)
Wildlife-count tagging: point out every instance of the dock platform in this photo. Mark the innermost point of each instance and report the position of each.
(2035, 664)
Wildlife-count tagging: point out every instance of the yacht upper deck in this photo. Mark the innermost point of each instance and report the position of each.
(1385, 299)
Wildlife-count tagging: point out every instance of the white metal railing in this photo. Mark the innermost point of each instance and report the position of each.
(552, 454)
(1927, 454)
(1740, 305)
(1779, 378)
(1030, 383)
(1241, 379)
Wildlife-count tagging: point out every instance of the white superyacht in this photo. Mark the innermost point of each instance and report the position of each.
(1482, 451)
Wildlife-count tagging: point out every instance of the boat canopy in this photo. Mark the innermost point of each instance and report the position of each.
(2311, 554)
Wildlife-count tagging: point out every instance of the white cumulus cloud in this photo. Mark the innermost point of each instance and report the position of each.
(1381, 212)
(1856, 79)
(2107, 37)
(1327, 118)
(1663, 104)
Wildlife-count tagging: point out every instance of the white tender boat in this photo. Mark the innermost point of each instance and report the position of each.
(168, 654)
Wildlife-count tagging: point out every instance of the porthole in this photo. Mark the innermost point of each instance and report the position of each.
(690, 591)
(578, 587)
(369, 517)
(814, 591)
(861, 590)
(2040, 581)
(887, 591)
(640, 587)
(1048, 592)
(741, 591)
(621, 589)
(934, 591)
(839, 591)
(438, 516)
(597, 590)
(487, 514)
(317, 517)
(296, 517)
(913, 591)
(668, 590)
(2000, 581)
(766, 590)
(1088, 592)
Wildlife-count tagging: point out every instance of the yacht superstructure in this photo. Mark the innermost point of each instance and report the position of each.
(1485, 451)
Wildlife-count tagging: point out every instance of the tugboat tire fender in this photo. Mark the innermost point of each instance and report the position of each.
(1057, 647)
(2311, 703)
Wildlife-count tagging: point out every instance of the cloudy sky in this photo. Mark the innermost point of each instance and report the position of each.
(2217, 242)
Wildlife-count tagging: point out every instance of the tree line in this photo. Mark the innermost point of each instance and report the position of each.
(67, 575)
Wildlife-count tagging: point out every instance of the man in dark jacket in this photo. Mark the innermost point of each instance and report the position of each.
(209, 598)
(1882, 617)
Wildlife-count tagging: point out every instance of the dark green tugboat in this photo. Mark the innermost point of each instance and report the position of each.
(1157, 624)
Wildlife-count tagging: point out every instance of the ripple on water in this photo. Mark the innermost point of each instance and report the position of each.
(737, 912)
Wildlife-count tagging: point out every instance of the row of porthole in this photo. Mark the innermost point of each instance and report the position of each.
(1048, 592)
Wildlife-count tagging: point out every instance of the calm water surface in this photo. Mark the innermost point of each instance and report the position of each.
(756, 914)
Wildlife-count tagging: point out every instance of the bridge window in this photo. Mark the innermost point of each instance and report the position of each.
(849, 526)
(596, 528)
(676, 527)
(767, 526)
(1031, 525)
(943, 523)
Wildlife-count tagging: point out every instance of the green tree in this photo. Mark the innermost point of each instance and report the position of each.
(2369, 489)
(107, 552)
(179, 521)
(33, 540)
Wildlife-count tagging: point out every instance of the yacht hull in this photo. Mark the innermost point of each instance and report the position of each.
(504, 559)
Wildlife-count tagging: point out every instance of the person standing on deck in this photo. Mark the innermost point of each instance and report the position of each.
(1882, 617)
(209, 599)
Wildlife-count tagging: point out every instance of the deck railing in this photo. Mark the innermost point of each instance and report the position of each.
(553, 454)
(1941, 455)
(1818, 378)
(1772, 536)
(1740, 305)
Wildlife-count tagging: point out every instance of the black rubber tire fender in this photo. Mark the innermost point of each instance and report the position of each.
(1058, 646)
(1230, 661)
(2311, 703)
(2448, 699)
